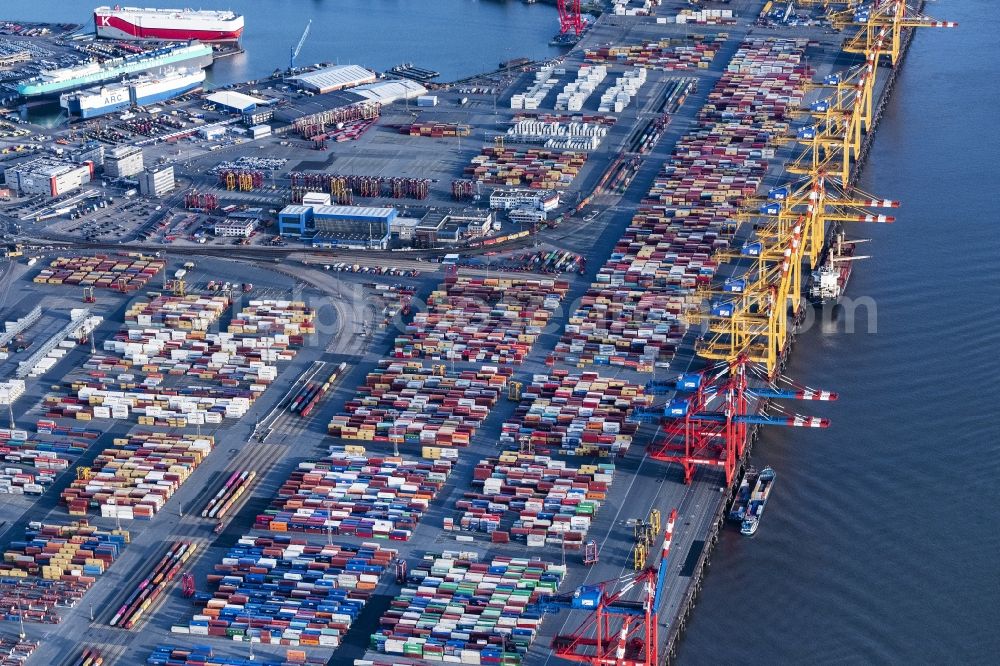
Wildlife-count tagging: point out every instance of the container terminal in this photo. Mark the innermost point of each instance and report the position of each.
(347, 367)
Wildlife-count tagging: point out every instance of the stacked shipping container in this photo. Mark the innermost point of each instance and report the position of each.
(287, 592)
(580, 414)
(125, 272)
(461, 610)
(363, 496)
(405, 403)
(495, 320)
(170, 371)
(631, 316)
(137, 474)
(53, 567)
(533, 167)
(695, 51)
(553, 503)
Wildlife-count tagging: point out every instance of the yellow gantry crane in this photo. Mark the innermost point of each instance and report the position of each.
(895, 15)
(750, 315)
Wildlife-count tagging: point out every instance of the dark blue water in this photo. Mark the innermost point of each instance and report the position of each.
(880, 543)
(455, 37)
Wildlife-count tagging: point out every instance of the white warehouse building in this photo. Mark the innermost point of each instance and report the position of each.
(543, 200)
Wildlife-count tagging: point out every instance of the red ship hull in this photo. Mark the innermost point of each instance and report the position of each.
(115, 27)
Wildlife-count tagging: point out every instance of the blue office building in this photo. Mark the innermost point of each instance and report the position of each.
(362, 227)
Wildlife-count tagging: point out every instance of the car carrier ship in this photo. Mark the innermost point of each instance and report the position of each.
(148, 89)
(136, 23)
(56, 81)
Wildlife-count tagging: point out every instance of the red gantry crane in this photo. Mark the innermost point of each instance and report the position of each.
(706, 422)
(621, 630)
(570, 17)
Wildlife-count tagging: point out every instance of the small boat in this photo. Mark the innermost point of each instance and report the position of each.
(739, 508)
(758, 500)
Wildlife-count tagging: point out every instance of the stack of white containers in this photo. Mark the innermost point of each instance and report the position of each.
(571, 136)
(533, 96)
(706, 16)
(576, 93)
(627, 86)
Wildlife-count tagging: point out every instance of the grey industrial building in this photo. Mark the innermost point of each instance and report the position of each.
(51, 177)
(156, 181)
(123, 161)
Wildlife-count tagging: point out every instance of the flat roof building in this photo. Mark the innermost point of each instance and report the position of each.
(235, 102)
(91, 151)
(390, 90)
(123, 161)
(234, 228)
(333, 78)
(338, 226)
(156, 181)
(541, 200)
(47, 176)
(450, 226)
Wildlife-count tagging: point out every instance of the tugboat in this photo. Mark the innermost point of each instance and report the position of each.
(758, 500)
(828, 283)
(739, 508)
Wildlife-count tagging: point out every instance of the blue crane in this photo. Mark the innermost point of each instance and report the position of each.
(298, 47)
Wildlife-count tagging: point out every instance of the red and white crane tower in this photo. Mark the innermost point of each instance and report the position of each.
(620, 630)
(706, 423)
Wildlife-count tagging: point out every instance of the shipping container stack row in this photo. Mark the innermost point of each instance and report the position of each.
(578, 414)
(534, 500)
(436, 129)
(282, 591)
(703, 17)
(137, 474)
(191, 312)
(15, 652)
(481, 320)
(538, 168)
(170, 372)
(127, 273)
(49, 454)
(203, 655)
(53, 567)
(37, 599)
(356, 495)
(539, 131)
(564, 118)
(16, 481)
(631, 315)
(673, 54)
(460, 610)
(403, 402)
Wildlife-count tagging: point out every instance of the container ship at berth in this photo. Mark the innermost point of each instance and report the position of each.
(758, 501)
(135, 23)
(57, 81)
(148, 89)
(828, 283)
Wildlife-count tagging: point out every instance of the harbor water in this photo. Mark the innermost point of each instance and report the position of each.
(454, 37)
(878, 544)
